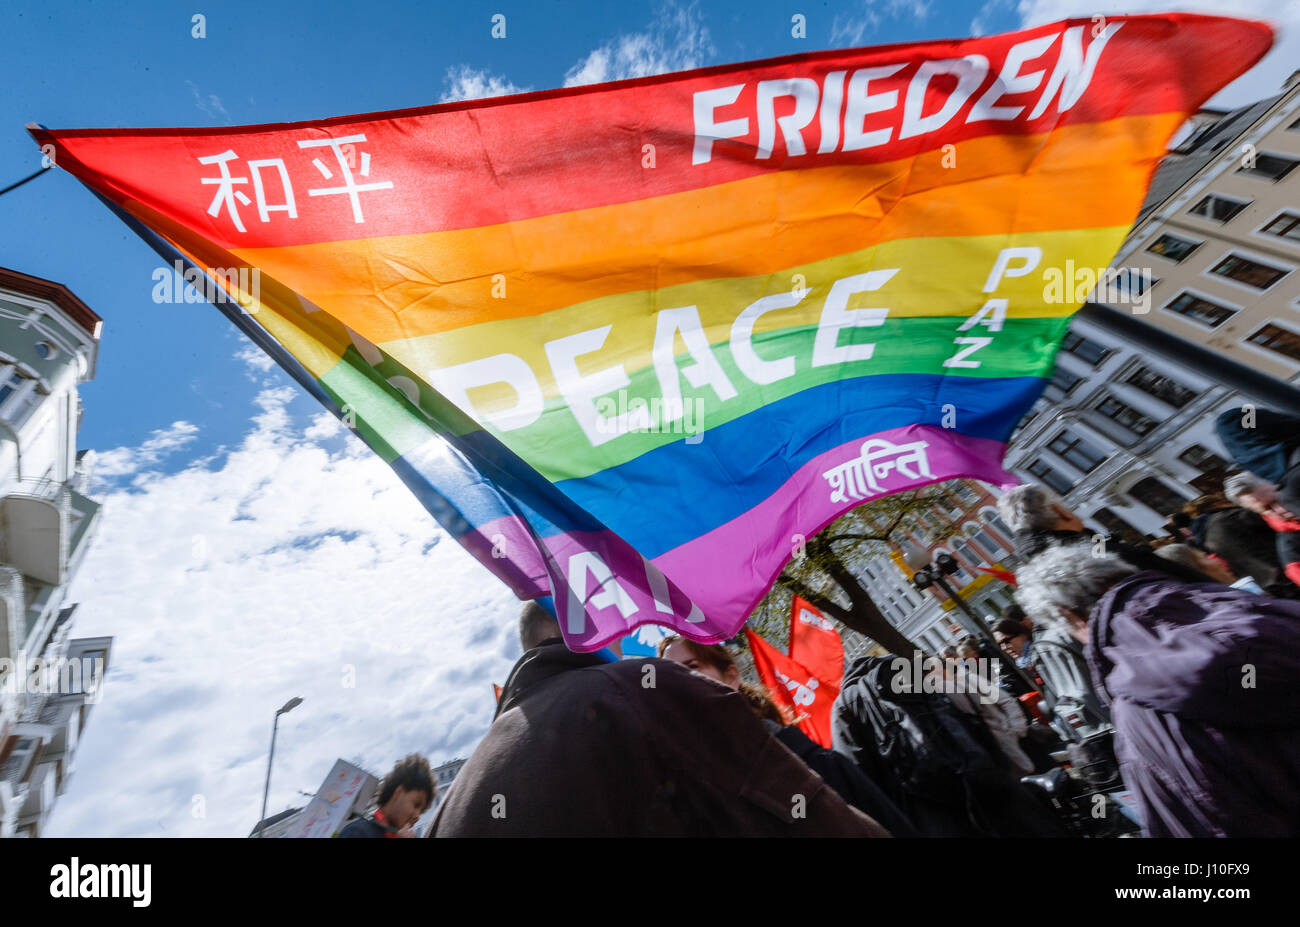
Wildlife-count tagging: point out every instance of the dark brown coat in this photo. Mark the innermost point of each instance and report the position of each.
(634, 748)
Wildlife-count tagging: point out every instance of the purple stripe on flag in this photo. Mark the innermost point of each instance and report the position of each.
(610, 589)
(715, 568)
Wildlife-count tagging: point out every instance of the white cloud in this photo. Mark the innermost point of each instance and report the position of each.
(163, 442)
(233, 584)
(209, 104)
(1263, 80)
(466, 83)
(981, 24)
(676, 40)
(852, 29)
(257, 360)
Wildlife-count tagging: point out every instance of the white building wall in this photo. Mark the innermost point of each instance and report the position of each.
(45, 353)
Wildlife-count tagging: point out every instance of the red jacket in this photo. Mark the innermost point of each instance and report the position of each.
(1288, 544)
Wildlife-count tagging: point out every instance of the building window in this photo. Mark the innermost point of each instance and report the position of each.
(981, 540)
(10, 380)
(16, 409)
(1269, 167)
(1084, 349)
(969, 554)
(1276, 338)
(1286, 225)
(1218, 208)
(933, 520)
(1128, 282)
(1075, 450)
(1200, 310)
(1161, 387)
(1198, 457)
(1251, 273)
(1173, 247)
(1065, 381)
(86, 664)
(1000, 526)
(1118, 527)
(1213, 469)
(1126, 415)
(1051, 476)
(1156, 496)
(967, 495)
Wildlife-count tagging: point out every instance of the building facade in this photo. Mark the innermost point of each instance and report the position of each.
(49, 680)
(1127, 436)
(1220, 235)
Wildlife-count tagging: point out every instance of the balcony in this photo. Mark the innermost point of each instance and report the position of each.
(44, 526)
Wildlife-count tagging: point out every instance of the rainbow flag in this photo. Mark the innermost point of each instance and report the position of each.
(631, 343)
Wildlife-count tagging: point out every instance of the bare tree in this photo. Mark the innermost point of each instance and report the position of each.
(822, 570)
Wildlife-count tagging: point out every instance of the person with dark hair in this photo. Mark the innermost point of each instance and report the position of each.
(581, 746)
(1058, 662)
(716, 662)
(1015, 640)
(404, 794)
(1014, 612)
(1179, 527)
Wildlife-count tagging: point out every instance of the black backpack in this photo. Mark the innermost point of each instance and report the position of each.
(926, 742)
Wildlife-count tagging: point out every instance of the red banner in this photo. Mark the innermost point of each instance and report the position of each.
(815, 644)
(795, 690)
(998, 573)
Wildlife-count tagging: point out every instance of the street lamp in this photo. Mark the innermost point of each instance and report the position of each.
(288, 706)
(936, 574)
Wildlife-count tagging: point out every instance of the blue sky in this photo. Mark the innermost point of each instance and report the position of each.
(250, 550)
(136, 64)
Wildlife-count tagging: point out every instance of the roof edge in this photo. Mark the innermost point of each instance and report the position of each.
(55, 293)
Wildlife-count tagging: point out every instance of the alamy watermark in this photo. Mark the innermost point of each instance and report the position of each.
(1110, 286)
(635, 415)
(930, 675)
(63, 676)
(181, 284)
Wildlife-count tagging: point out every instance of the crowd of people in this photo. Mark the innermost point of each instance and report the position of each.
(1186, 649)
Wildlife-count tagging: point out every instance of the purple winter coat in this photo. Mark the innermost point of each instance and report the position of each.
(1207, 755)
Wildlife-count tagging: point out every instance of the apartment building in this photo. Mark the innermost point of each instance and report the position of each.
(1220, 234)
(1126, 435)
(49, 680)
